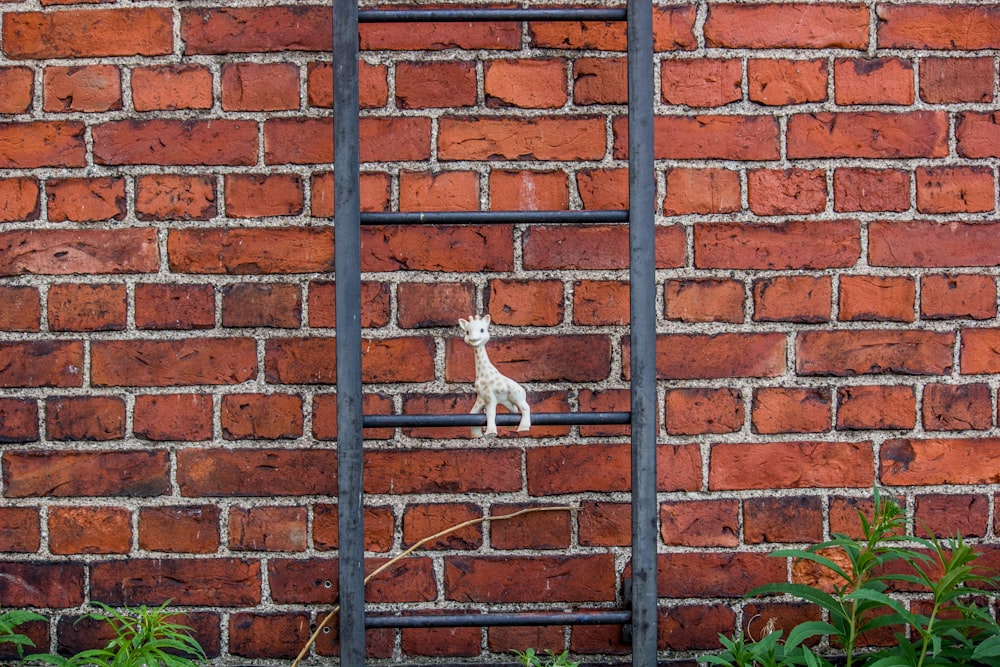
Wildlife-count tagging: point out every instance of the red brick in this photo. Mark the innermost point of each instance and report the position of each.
(379, 642)
(787, 191)
(301, 361)
(260, 86)
(88, 33)
(961, 407)
(175, 197)
(263, 195)
(90, 473)
(18, 420)
(931, 462)
(216, 582)
(783, 82)
(373, 85)
(600, 81)
(792, 299)
(845, 514)
(495, 470)
(492, 580)
(176, 142)
(19, 529)
(374, 193)
(19, 199)
(179, 529)
(514, 638)
(277, 635)
(607, 468)
(873, 81)
(528, 190)
(704, 356)
(41, 364)
(174, 306)
(424, 36)
(392, 139)
(980, 351)
(878, 298)
(323, 304)
(541, 138)
(42, 584)
(170, 87)
(86, 199)
(42, 143)
(571, 358)
(261, 416)
(694, 574)
(595, 247)
(434, 304)
(18, 86)
(379, 527)
(954, 80)
(702, 82)
(185, 417)
(20, 309)
(868, 134)
(83, 307)
(977, 136)
(596, 35)
(314, 580)
(850, 352)
(945, 515)
(946, 296)
(423, 520)
(90, 530)
(694, 411)
(947, 27)
(791, 465)
(223, 30)
(548, 529)
(452, 642)
(783, 519)
(465, 249)
(435, 84)
(604, 524)
(786, 245)
(525, 302)
(700, 523)
(305, 360)
(597, 639)
(932, 244)
(603, 189)
(694, 626)
(162, 363)
(267, 528)
(439, 191)
(703, 300)
(535, 83)
(701, 191)
(251, 251)
(262, 305)
(799, 25)
(954, 189)
(264, 472)
(857, 189)
(597, 302)
(296, 140)
(707, 138)
(866, 407)
(85, 418)
(790, 410)
(86, 88)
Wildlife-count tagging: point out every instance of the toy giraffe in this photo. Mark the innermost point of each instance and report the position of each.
(491, 386)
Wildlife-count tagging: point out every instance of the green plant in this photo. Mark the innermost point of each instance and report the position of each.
(937, 623)
(10, 621)
(529, 658)
(144, 637)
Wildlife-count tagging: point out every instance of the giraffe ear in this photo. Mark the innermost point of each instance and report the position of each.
(463, 324)
(486, 318)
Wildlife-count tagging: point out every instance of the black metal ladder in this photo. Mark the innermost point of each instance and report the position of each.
(642, 330)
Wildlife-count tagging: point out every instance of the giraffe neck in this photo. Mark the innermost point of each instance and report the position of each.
(483, 365)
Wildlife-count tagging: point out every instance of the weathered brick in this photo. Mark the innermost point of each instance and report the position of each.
(185, 417)
(161, 363)
(606, 468)
(18, 420)
(694, 626)
(179, 529)
(323, 304)
(20, 530)
(90, 530)
(597, 302)
(170, 87)
(86, 88)
(703, 356)
(176, 142)
(90, 473)
(423, 520)
(261, 472)
(549, 529)
(20, 309)
(314, 581)
(525, 302)
(700, 523)
(434, 304)
(868, 134)
(599, 35)
(603, 189)
(572, 358)
(596, 247)
(945, 515)
(435, 84)
(931, 462)
(441, 642)
(785, 245)
(84, 307)
(222, 30)
(19, 199)
(879, 298)
(216, 582)
(260, 416)
(276, 635)
(374, 193)
(791, 465)
(79, 633)
(541, 138)
(947, 27)
(379, 523)
(701, 191)
(792, 299)
(928, 243)
(715, 574)
(873, 81)
(313, 360)
(392, 139)
(251, 251)
(507, 639)
(954, 189)
(783, 519)
(798, 25)
(694, 411)
(42, 584)
(859, 189)
(175, 197)
(373, 86)
(267, 529)
(263, 195)
(88, 33)
(866, 407)
(605, 523)
(946, 296)
(860, 352)
(463, 249)
(783, 82)
(962, 407)
(528, 190)
(703, 300)
(496, 470)
(85, 418)
(786, 191)
(42, 143)
(276, 305)
(707, 137)
(584, 578)
(41, 364)
(954, 80)
(18, 86)
(702, 82)
(977, 135)
(600, 81)
(174, 306)
(439, 191)
(85, 199)
(530, 83)
(426, 36)
(790, 410)
(251, 86)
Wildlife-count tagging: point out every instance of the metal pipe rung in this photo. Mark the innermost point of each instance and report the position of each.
(505, 419)
(493, 217)
(614, 617)
(487, 14)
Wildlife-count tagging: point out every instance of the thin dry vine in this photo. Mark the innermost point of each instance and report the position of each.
(384, 566)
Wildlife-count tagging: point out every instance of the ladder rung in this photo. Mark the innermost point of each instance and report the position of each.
(504, 419)
(492, 217)
(596, 617)
(524, 14)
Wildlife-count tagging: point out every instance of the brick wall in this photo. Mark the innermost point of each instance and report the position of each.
(827, 308)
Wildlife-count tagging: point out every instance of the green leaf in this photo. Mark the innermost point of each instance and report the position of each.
(807, 629)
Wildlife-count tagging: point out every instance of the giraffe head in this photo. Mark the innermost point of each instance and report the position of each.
(476, 330)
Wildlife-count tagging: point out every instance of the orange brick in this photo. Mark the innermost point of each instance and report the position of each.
(866, 407)
(784, 82)
(786, 192)
(877, 298)
(961, 407)
(536, 83)
(792, 299)
(871, 190)
(703, 300)
(701, 191)
(19, 199)
(260, 86)
(525, 302)
(946, 296)
(954, 189)
(88, 88)
(84, 307)
(597, 302)
(702, 523)
(528, 190)
(600, 81)
(267, 529)
(169, 87)
(873, 81)
(18, 85)
(441, 191)
(694, 411)
(701, 82)
(603, 189)
(263, 195)
(86, 199)
(20, 309)
(790, 410)
(953, 80)
(90, 530)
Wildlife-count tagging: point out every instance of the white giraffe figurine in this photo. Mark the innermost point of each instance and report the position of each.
(492, 387)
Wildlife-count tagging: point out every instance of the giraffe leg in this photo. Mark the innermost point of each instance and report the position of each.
(491, 418)
(477, 431)
(525, 411)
